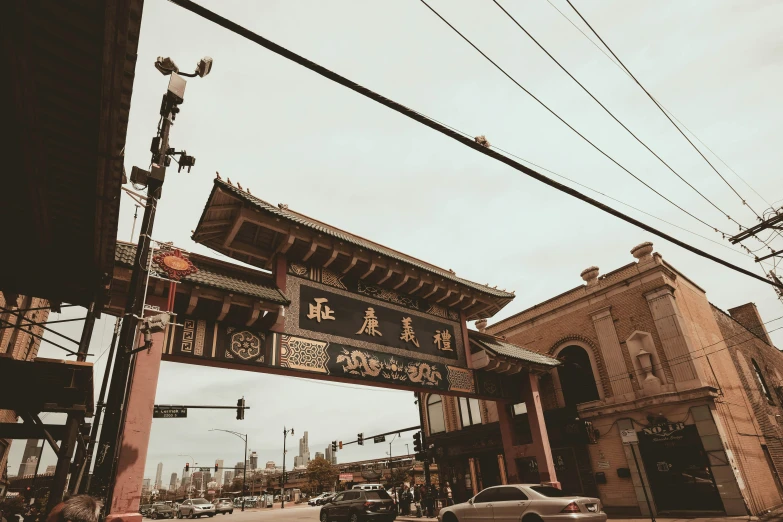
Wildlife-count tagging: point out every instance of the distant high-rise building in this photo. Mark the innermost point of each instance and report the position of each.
(159, 476)
(31, 450)
(51, 469)
(319, 455)
(28, 466)
(228, 476)
(145, 485)
(173, 481)
(330, 455)
(270, 464)
(253, 460)
(218, 475)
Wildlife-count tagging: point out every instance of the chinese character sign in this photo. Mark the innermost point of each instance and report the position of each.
(356, 319)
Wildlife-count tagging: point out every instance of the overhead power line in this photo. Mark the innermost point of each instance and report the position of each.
(660, 104)
(545, 106)
(744, 202)
(610, 113)
(364, 91)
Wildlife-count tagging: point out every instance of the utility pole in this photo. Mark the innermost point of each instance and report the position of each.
(774, 223)
(282, 478)
(110, 440)
(426, 463)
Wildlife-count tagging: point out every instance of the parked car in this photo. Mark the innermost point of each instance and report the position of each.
(357, 504)
(539, 503)
(196, 507)
(161, 511)
(316, 500)
(368, 487)
(144, 509)
(224, 505)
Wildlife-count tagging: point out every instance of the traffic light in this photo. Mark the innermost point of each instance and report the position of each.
(334, 446)
(360, 439)
(187, 466)
(341, 444)
(241, 409)
(417, 442)
(216, 467)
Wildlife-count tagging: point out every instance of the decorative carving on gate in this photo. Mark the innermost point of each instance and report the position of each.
(245, 345)
(303, 354)
(460, 379)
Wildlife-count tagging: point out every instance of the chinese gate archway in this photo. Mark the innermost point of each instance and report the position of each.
(330, 306)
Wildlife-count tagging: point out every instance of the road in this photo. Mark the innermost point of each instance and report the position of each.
(291, 512)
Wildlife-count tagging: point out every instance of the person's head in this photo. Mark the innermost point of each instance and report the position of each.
(447, 484)
(81, 508)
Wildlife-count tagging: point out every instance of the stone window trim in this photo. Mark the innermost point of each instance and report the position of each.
(659, 361)
(605, 388)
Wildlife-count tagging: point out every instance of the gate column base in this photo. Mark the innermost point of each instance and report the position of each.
(124, 517)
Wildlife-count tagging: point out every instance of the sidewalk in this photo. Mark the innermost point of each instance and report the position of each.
(772, 517)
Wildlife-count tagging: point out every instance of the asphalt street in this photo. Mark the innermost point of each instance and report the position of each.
(291, 512)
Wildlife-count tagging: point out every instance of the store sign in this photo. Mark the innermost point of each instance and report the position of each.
(669, 431)
(346, 477)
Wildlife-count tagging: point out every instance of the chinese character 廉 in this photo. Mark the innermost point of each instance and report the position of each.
(442, 339)
(320, 311)
(370, 326)
(408, 335)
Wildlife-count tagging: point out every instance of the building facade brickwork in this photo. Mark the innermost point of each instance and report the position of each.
(17, 343)
(644, 352)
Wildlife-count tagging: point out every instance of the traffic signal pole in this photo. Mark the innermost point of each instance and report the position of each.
(426, 462)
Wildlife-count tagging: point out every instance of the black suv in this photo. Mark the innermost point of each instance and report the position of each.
(356, 505)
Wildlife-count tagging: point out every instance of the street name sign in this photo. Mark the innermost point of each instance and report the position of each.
(169, 412)
(379, 438)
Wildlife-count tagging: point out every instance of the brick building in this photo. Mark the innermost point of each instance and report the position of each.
(17, 343)
(643, 354)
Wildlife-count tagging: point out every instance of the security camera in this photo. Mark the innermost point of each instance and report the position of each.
(166, 65)
(204, 66)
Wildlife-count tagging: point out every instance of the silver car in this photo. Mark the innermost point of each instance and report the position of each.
(195, 508)
(525, 502)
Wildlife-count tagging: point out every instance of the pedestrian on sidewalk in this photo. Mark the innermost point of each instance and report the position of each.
(448, 495)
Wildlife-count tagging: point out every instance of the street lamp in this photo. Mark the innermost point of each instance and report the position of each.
(244, 462)
(183, 470)
(282, 479)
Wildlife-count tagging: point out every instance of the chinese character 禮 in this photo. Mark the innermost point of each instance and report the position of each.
(370, 326)
(442, 339)
(408, 335)
(320, 310)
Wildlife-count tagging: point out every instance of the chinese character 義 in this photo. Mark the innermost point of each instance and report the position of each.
(442, 339)
(408, 335)
(370, 326)
(320, 311)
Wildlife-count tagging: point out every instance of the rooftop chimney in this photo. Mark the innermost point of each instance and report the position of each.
(590, 275)
(748, 316)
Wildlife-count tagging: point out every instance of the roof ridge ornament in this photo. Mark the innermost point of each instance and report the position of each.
(217, 174)
(282, 206)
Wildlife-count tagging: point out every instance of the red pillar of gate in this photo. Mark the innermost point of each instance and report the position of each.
(535, 416)
(539, 447)
(132, 455)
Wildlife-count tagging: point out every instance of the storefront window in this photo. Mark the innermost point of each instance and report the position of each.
(469, 411)
(435, 414)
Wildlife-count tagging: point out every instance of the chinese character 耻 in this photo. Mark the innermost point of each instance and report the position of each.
(320, 311)
(370, 326)
(408, 335)
(442, 339)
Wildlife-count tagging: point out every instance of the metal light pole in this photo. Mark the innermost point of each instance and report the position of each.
(244, 462)
(282, 478)
(119, 388)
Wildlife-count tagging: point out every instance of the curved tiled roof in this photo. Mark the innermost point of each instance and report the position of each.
(499, 346)
(341, 235)
(209, 276)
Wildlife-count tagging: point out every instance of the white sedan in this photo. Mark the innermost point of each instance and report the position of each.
(525, 503)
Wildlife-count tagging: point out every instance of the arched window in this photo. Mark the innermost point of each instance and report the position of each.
(576, 376)
(435, 414)
(762, 381)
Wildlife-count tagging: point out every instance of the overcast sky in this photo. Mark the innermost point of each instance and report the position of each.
(293, 137)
